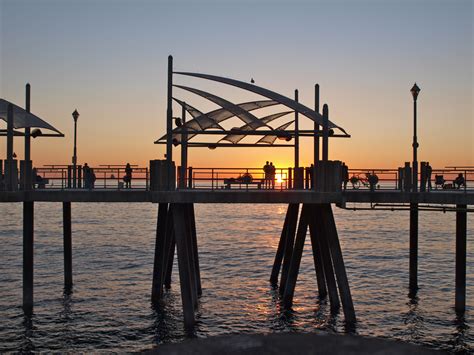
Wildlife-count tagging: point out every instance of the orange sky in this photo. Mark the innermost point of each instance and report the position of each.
(366, 56)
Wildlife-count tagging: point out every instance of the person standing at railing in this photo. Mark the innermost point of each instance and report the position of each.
(345, 174)
(128, 176)
(266, 174)
(86, 170)
(428, 170)
(272, 171)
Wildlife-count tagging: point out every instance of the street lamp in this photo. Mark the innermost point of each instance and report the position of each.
(75, 116)
(415, 90)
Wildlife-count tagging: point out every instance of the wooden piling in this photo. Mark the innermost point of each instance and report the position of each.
(159, 264)
(179, 223)
(413, 270)
(296, 257)
(338, 262)
(317, 255)
(290, 239)
(280, 250)
(461, 244)
(28, 237)
(67, 245)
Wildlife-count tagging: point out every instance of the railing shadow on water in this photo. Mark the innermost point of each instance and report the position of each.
(112, 177)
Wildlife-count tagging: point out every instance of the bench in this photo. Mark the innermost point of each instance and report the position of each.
(229, 182)
(41, 183)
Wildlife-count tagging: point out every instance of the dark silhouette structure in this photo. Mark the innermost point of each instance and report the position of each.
(308, 209)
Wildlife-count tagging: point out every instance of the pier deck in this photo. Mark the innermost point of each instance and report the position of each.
(239, 196)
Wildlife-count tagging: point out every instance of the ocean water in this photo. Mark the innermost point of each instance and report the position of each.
(113, 246)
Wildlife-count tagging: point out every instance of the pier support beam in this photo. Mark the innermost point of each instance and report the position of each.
(461, 244)
(319, 227)
(28, 234)
(294, 268)
(184, 263)
(338, 262)
(293, 209)
(317, 256)
(413, 249)
(192, 219)
(280, 250)
(159, 265)
(67, 245)
(320, 218)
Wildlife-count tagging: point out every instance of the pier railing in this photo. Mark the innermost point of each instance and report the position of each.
(248, 179)
(106, 177)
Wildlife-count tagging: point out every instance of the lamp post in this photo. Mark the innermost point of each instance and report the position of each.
(415, 90)
(75, 116)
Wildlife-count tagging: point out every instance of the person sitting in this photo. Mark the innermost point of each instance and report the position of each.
(459, 181)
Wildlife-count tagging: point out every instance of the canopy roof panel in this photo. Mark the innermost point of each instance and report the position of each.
(241, 113)
(23, 118)
(304, 110)
(235, 138)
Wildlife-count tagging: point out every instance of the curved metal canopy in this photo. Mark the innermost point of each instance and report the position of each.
(304, 110)
(244, 115)
(23, 118)
(271, 138)
(215, 116)
(235, 138)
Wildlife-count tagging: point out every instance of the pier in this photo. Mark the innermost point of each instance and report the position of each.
(310, 192)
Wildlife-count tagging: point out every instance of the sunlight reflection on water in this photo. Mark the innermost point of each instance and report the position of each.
(113, 246)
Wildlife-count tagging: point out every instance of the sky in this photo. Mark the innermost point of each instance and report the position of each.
(108, 60)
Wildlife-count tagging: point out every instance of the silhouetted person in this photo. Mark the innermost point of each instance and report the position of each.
(92, 178)
(272, 171)
(459, 181)
(128, 176)
(266, 174)
(344, 174)
(86, 172)
(373, 180)
(429, 170)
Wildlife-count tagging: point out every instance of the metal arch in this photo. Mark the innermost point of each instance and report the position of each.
(235, 138)
(304, 110)
(244, 115)
(23, 118)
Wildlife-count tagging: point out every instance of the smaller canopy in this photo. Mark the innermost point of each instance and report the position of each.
(23, 118)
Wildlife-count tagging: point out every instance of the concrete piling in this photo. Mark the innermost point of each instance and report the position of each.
(290, 239)
(195, 249)
(338, 262)
(317, 256)
(170, 246)
(296, 257)
(280, 250)
(67, 245)
(413, 269)
(179, 223)
(326, 258)
(28, 237)
(159, 265)
(461, 244)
